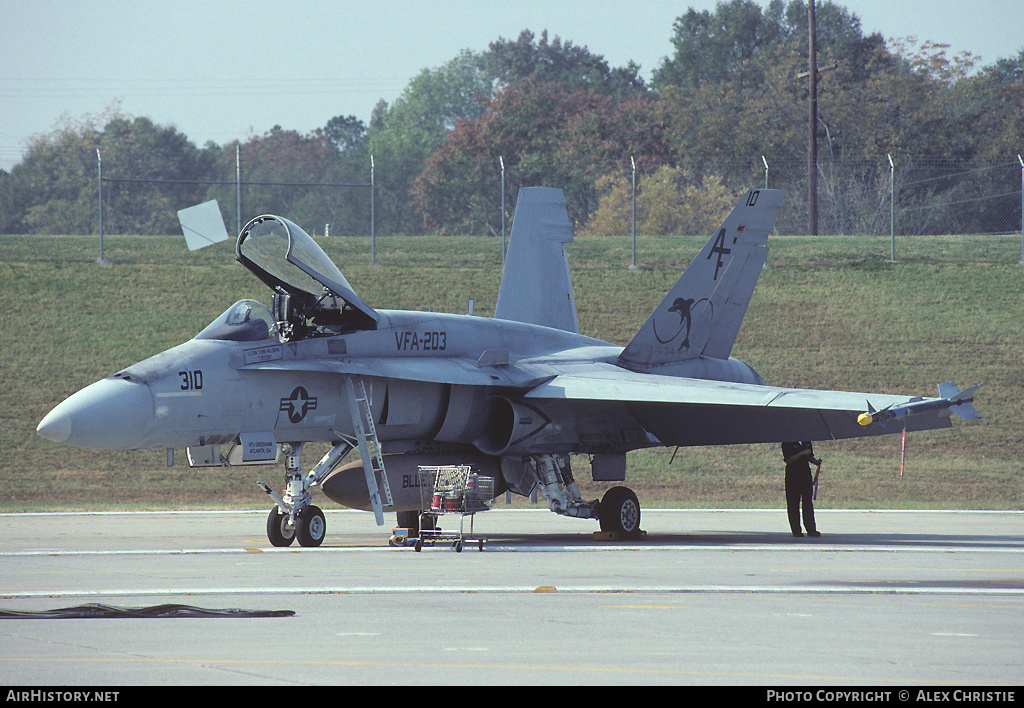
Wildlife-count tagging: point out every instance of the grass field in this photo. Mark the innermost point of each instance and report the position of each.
(827, 313)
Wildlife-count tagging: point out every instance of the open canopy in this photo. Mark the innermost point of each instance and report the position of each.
(288, 260)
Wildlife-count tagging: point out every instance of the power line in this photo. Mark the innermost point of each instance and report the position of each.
(26, 88)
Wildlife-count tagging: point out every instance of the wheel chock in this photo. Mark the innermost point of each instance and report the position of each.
(401, 538)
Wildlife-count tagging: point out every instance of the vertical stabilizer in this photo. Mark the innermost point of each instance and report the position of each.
(535, 284)
(702, 313)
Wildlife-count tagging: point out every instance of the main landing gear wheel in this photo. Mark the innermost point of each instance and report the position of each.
(409, 520)
(620, 512)
(311, 526)
(279, 531)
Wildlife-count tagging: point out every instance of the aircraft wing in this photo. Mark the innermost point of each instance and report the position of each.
(676, 410)
(684, 411)
(452, 370)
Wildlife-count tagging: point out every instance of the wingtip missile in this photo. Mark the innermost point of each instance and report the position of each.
(951, 399)
(873, 416)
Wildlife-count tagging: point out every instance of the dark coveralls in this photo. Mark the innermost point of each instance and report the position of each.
(799, 486)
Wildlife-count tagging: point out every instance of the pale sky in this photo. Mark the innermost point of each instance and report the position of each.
(222, 70)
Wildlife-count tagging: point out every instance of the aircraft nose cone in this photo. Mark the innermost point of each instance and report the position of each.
(55, 426)
(111, 414)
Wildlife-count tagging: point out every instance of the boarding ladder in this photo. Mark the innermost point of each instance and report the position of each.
(369, 447)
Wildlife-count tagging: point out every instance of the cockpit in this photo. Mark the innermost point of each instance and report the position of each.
(311, 296)
(245, 321)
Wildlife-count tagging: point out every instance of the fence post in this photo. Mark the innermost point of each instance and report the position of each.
(633, 227)
(238, 188)
(99, 170)
(892, 210)
(1021, 262)
(501, 161)
(373, 234)
(765, 171)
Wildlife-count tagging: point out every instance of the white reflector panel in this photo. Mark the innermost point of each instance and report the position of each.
(202, 225)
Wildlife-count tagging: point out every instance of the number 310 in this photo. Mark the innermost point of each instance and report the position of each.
(191, 380)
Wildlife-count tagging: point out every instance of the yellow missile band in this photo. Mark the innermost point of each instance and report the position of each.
(865, 419)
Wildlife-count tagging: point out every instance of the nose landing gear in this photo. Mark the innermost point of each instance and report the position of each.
(309, 527)
(280, 528)
(294, 517)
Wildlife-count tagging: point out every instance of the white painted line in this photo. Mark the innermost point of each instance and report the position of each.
(500, 510)
(584, 547)
(513, 589)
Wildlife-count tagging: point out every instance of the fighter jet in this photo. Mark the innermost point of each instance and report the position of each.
(517, 397)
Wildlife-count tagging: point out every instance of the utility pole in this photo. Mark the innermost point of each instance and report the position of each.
(812, 119)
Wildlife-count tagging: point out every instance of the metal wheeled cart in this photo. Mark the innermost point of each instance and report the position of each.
(454, 489)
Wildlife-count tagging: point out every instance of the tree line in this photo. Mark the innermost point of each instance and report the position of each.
(556, 114)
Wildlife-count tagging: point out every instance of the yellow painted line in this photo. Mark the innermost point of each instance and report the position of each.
(648, 607)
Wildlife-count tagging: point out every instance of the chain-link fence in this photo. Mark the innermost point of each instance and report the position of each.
(138, 203)
(901, 196)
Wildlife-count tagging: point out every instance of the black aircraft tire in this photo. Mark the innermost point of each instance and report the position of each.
(277, 532)
(408, 520)
(620, 512)
(311, 527)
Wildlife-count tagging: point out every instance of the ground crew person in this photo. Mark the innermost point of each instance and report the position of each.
(799, 455)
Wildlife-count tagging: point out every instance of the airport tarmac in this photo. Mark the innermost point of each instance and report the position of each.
(883, 598)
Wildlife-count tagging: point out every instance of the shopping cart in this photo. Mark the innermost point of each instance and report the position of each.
(452, 489)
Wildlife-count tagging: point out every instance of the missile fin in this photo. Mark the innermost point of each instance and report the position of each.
(961, 400)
